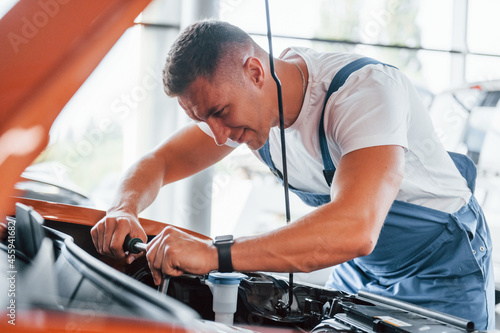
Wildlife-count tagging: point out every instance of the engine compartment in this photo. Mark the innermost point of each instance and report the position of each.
(60, 270)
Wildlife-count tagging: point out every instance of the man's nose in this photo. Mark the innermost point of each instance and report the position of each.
(221, 132)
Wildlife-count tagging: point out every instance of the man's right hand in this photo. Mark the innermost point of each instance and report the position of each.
(109, 234)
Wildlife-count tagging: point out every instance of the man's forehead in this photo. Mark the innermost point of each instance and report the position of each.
(199, 99)
(189, 107)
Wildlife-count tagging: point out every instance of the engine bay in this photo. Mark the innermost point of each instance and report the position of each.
(60, 270)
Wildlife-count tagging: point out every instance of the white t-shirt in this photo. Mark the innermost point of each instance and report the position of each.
(376, 106)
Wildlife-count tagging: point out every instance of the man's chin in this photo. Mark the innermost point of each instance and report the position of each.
(255, 144)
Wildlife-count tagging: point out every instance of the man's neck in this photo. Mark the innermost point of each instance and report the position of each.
(292, 86)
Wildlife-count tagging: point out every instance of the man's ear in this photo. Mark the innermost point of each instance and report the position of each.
(254, 70)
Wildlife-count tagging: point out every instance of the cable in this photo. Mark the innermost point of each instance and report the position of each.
(283, 143)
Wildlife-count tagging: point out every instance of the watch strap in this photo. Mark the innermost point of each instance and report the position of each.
(225, 262)
(224, 253)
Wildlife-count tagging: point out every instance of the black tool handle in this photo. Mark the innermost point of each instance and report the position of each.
(133, 245)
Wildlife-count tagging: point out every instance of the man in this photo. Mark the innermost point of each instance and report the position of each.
(395, 215)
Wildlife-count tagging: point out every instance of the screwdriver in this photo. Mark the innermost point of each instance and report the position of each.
(136, 245)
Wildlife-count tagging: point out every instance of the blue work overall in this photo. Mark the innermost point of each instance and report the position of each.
(424, 256)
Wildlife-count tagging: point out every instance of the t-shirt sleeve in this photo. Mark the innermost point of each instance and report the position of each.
(205, 128)
(370, 109)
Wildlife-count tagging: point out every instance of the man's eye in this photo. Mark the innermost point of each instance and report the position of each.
(219, 113)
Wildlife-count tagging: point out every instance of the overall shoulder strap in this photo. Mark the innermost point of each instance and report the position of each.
(337, 82)
(265, 153)
(467, 168)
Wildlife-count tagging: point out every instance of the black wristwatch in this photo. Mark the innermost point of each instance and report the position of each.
(223, 245)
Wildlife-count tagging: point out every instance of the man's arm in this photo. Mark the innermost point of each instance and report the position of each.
(184, 154)
(366, 183)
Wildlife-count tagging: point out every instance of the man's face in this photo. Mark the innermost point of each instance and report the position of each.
(232, 111)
